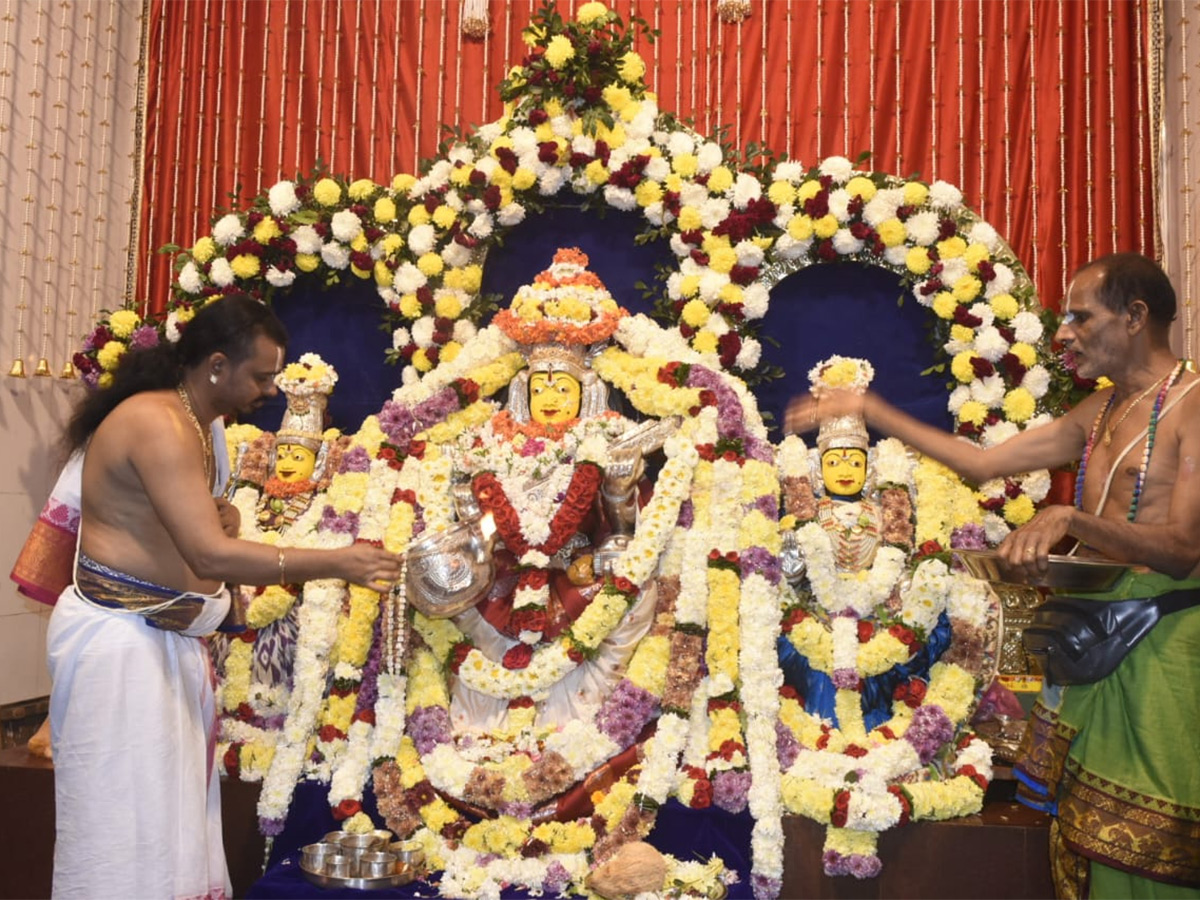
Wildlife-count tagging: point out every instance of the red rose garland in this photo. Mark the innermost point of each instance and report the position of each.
(581, 494)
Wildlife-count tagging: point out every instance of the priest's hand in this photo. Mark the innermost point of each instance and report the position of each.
(231, 519)
(808, 411)
(1027, 550)
(370, 566)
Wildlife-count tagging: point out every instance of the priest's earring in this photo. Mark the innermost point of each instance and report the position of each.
(212, 377)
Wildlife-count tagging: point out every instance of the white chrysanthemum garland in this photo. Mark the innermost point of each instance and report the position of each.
(986, 310)
(893, 780)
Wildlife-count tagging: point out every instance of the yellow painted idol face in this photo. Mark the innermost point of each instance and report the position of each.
(294, 463)
(553, 397)
(844, 471)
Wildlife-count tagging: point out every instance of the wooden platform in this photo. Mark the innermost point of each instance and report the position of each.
(1000, 853)
(27, 828)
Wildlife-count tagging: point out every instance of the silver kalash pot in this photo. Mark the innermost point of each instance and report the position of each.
(451, 570)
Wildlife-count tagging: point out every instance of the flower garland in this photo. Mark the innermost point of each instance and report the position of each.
(538, 670)
(443, 764)
(347, 512)
(254, 712)
(421, 241)
(861, 781)
(909, 768)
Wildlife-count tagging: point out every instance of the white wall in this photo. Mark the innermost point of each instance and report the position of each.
(31, 417)
(68, 165)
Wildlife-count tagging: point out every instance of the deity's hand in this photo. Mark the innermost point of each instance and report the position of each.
(791, 559)
(369, 566)
(1027, 550)
(624, 469)
(231, 518)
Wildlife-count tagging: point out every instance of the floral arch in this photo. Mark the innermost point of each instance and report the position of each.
(733, 232)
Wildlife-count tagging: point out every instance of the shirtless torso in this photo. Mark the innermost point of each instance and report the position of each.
(144, 438)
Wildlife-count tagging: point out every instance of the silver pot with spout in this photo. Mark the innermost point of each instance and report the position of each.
(450, 571)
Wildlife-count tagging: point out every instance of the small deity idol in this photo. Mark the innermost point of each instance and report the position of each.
(277, 482)
(851, 520)
(877, 642)
(301, 451)
(850, 551)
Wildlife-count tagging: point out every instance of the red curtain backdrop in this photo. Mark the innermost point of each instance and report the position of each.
(1036, 109)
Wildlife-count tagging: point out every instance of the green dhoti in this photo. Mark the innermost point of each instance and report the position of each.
(1119, 762)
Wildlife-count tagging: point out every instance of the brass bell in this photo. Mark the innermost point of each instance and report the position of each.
(68, 370)
(43, 368)
(17, 370)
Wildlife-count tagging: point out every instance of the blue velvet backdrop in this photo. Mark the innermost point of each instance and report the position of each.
(846, 308)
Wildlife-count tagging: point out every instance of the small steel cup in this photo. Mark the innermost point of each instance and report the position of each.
(376, 864)
(334, 837)
(337, 866)
(361, 843)
(313, 856)
(410, 853)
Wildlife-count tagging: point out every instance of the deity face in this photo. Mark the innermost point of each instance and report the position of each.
(844, 471)
(554, 397)
(294, 463)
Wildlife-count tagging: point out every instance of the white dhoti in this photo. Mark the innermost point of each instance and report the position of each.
(132, 717)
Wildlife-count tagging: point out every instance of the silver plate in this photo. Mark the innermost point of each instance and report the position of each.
(401, 877)
(1066, 573)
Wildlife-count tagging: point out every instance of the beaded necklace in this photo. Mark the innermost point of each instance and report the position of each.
(1151, 431)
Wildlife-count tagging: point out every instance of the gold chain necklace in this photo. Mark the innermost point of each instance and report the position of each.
(1110, 428)
(205, 435)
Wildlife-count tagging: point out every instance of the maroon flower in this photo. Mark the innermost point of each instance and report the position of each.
(330, 733)
(841, 809)
(518, 657)
(458, 654)
(346, 809)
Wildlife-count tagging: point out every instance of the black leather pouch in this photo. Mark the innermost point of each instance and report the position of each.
(1079, 641)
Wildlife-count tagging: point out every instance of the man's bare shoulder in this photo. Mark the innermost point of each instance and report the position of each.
(147, 418)
(1187, 416)
(1089, 407)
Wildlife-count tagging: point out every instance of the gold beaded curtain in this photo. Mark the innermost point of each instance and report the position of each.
(1037, 109)
(68, 79)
